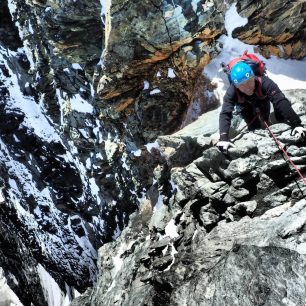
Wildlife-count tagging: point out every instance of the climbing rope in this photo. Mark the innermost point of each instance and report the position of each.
(285, 152)
(279, 145)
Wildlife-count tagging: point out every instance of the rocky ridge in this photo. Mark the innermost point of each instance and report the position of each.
(74, 163)
(231, 233)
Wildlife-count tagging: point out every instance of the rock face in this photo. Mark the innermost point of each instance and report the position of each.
(277, 26)
(50, 214)
(153, 58)
(229, 233)
(85, 87)
(8, 32)
(46, 216)
(135, 85)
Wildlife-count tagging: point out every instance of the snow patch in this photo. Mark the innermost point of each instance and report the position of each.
(2, 198)
(117, 231)
(173, 252)
(171, 73)
(159, 203)
(136, 153)
(233, 20)
(52, 292)
(171, 229)
(80, 105)
(95, 190)
(33, 115)
(146, 85)
(194, 234)
(31, 28)
(7, 296)
(103, 7)
(152, 145)
(76, 66)
(124, 164)
(155, 91)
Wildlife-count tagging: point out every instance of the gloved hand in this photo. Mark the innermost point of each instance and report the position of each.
(224, 145)
(298, 132)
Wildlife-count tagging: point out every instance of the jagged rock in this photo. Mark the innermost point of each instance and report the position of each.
(152, 71)
(240, 210)
(209, 219)
(212, 164)
(238, 193)
(241, 166)
(160, 244)
(133, 241)
(64, 198)
(162, 263)
(8, 31)
(245, 151)
(275, 199)
(182, 150)
(239, 216)
(160, 218)
(219, 257)
(142, 45)
(80, 39)
(206, 125)
(281, 37)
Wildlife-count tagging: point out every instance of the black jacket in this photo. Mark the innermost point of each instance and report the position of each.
(269, 93)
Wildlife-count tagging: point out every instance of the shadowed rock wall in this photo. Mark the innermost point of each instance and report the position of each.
(154, 55)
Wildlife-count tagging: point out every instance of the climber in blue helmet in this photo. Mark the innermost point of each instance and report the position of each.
(241, 73)
(253, 95)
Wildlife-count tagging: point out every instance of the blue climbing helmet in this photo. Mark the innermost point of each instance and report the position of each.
(240, 73)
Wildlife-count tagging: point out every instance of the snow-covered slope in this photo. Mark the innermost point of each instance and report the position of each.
(47, 187)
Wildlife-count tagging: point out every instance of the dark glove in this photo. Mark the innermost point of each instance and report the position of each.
(298, 132)
(224, 146)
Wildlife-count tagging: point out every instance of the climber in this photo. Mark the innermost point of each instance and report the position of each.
(253, 95)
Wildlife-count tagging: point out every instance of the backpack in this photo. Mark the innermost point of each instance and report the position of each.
(257, 65)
